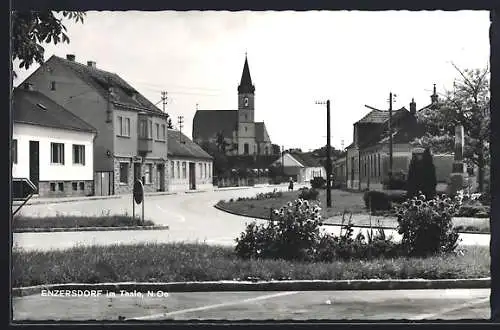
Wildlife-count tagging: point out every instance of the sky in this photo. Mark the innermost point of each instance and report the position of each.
(351, 58)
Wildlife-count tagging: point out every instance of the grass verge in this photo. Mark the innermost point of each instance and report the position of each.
(201, 262)
(70, 221)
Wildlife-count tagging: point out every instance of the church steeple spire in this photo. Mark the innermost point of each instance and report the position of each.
(246, 85)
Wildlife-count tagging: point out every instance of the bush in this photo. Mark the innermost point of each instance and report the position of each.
(485, 198)
(292, 235)
(397, 182)
(318, 182)
(422, 175)
(308, 194)
(426, 225)
(268, 195)
(377, 200)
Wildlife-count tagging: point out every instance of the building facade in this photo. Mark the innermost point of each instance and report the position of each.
(131, 137)
(301, 167)
(51, 146)
(366, 162)
(191, 168)
(235, 129)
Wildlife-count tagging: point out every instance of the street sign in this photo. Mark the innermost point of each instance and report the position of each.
(138, 191)
(22, 188)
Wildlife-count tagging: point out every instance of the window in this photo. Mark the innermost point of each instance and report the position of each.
(246, 128)
(61, 186)
(178, 170)
(78, 154)
(200, 175)
(52, 186)
(142, 129)
(184, 174)
(148, 174)
(57, 153)
(378, 156)
(14, 151)
(52, 85)
(123, 126)
(205, 166)
(124, 168)
(157, 131)
(245, 148)
(172, 168)
(163, 132)
(82, 185)
(150, 129)
(75, 186)
(246, 101)
(209, 170)
(267, 150)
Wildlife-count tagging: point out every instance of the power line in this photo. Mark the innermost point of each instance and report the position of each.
(178, 86)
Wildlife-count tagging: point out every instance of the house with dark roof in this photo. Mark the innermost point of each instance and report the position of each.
(191, 167)
(131, 139)
(235, 129)
(51, 146)
(366, 163)
(300, 166)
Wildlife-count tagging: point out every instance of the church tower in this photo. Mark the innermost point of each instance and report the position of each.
(246, 109)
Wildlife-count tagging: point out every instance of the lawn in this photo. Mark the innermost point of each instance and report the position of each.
(347, 201)
(70, 221)
(341, 201)
(201, 262)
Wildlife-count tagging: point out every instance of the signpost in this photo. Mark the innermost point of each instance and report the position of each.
(22, 190)
(138, 197)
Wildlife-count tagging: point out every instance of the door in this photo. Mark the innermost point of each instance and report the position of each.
(34, 163)
(161, 177)
(192, 176)
(103, 183)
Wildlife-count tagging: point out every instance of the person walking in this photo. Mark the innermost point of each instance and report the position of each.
(290, 185)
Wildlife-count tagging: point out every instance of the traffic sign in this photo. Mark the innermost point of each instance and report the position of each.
(138, 191)
(22, 188)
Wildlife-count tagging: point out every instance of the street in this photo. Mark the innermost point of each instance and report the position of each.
(190, 217)
(451, 304)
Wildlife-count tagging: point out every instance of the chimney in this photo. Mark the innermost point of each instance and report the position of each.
(413, 107)
(70, 57)
(91, 64)
(28, 86)
(434, 96)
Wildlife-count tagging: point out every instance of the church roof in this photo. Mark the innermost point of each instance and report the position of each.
(246, 85)
(207, 123)
(260, 129)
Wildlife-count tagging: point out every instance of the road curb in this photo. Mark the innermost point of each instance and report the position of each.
(51, 230)
(36, 202)
(225, 286)
(161, 194)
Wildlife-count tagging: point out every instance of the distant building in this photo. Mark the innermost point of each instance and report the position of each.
(236, 128)
(191, 167)
(131, 131)
(301, 167)
(51, 146)
(366, 164)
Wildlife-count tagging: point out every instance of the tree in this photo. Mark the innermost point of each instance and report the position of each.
(221, 142)
(32, 28)
(169, 123)
(468, 104)
(421, 176)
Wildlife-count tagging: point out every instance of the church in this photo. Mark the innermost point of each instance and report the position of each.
(236, 128)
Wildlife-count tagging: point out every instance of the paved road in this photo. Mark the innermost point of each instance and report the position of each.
(451, 304)
(191, 217)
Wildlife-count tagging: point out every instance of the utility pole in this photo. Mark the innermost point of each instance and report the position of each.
(328, 155)
(180, 121)
(391, 98)
(164, 99)
(283, 160)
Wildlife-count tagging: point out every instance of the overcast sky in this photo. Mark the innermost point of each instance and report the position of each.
(295, 59)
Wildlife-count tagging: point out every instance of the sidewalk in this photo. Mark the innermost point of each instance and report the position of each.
(52, 200)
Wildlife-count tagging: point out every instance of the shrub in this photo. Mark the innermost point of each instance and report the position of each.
(376, 200)
(318, 182)
(308, 194)
(426, 225)
(422, 175)
(269, 195)
(397, 182)
(292, 235)
(485, 198)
